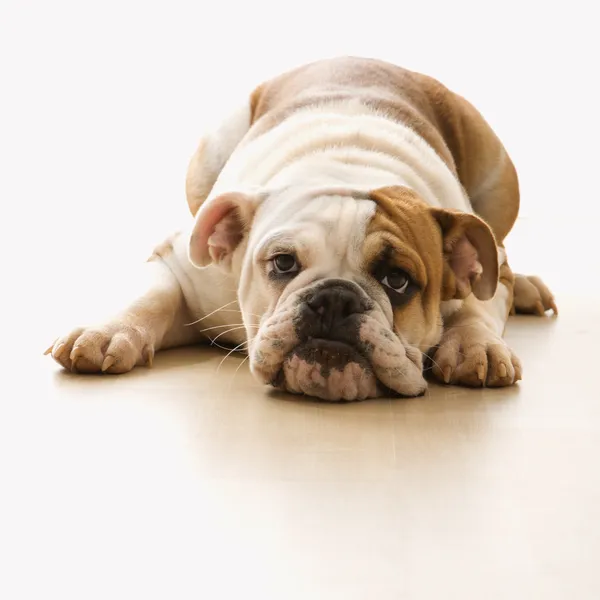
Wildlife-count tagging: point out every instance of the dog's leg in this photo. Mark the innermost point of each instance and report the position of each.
(498, 205)
(472, 351)
(154, 318)
(157, 315)
(532, 297)
(491, 182)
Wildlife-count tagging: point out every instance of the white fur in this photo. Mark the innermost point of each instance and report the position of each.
(342, 144)
(449, 307)
(206, 291)
(498, 308)
(326, 231)
(501, 256)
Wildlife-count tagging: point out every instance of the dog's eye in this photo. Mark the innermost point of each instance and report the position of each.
(285, 264)
(396, 280)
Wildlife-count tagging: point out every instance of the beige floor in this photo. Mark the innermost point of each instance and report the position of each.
(190, 481)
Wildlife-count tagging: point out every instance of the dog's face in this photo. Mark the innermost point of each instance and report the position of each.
(341, 292)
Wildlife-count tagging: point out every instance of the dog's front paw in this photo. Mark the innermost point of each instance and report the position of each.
(471, 355)
(532, 297)
(113, 348)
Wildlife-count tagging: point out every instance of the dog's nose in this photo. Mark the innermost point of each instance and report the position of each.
(335, 301)
(327, 310)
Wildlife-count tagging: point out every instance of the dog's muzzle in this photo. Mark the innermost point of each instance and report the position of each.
(329, 361)
(329, 341)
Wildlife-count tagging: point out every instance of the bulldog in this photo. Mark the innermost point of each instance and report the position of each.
(347, 233)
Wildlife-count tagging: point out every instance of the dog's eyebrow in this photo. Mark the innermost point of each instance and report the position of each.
(281, 241)
(391, 255)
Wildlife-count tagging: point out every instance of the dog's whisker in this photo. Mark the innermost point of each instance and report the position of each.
(231, 382)
(219, 345)
(229, 354)
(434, 363)
(240, 365)
(236, 310)
(228, 331)
(212, 313)
(227, 325)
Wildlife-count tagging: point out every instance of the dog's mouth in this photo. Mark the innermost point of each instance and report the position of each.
(329, 370)
(329, 354)
(364, 361)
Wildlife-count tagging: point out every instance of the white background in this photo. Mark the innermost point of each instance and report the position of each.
(102, 104)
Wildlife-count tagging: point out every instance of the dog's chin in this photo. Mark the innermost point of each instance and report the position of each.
(328, 370)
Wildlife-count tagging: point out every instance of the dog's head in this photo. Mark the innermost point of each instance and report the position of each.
(341, 291)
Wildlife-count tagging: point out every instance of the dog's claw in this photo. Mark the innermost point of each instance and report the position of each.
(114, 348)
(75, 354)
(518, 373)
(148, 355)
(447, 373)
(49, 350)
(58, 351)
(481, 373)
(502, 371)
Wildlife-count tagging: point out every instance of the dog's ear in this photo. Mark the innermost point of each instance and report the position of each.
(221, 224)
(470, 255)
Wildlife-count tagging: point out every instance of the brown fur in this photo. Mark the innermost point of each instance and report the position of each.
(197, 185)
(424, 242)
(462, 233)
(449, 123)
(403, 221)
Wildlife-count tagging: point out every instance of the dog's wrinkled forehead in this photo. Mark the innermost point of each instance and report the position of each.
(329, 228)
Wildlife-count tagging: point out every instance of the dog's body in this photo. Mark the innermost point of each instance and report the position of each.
(354, 214)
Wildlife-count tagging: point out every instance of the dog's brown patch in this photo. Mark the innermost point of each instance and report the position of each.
(403, 222)
(451, 125)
